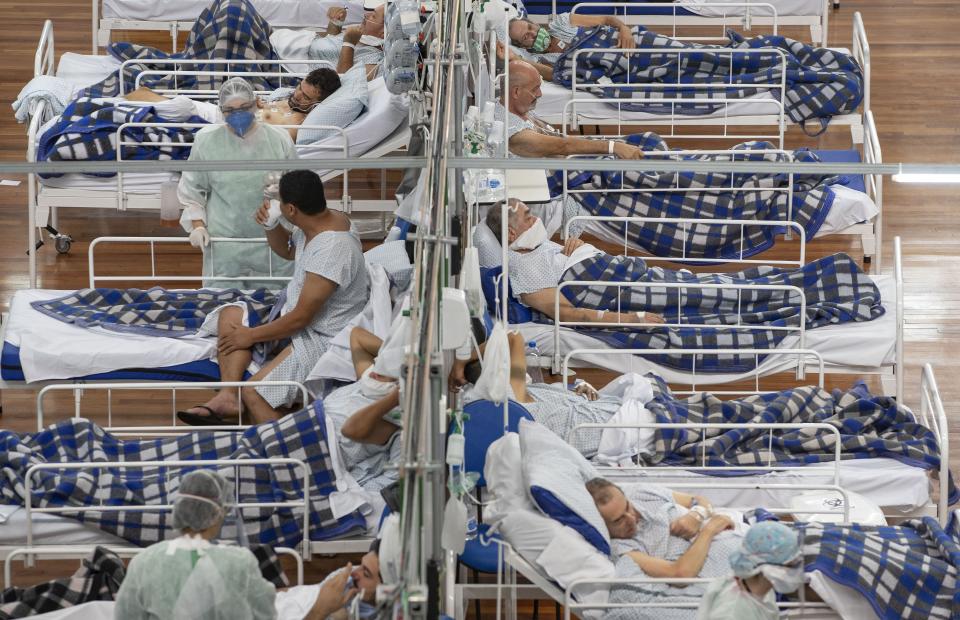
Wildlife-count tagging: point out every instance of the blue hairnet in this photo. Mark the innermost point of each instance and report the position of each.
(201, 500)
(769, 542)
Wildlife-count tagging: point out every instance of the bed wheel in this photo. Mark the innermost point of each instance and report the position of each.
(63, 243)
(836, 4)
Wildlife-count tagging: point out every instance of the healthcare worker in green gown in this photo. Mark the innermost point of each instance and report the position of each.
(223, 203)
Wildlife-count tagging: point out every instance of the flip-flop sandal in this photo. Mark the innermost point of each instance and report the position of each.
(193, 419)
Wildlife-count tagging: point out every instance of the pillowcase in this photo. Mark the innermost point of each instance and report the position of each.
(339, 109)
(392, 256)
(555, 474)
(505, 487)
(488, 246)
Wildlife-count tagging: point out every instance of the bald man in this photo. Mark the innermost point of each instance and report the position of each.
(529, 136)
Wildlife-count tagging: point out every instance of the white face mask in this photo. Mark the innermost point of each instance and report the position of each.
(374, 388)
(784, 579)
(531, 238)
(372, 41)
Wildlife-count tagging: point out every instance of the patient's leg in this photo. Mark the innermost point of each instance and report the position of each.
(226, 403)
(256, 405)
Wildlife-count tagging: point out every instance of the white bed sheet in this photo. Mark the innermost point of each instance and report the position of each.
(784, 8)
(50, 529)
(51, 349)
(312, 13)
(850, 207)
(860, 346)
(891, 484)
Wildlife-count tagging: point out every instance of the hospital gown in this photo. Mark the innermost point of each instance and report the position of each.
(336, 256)
(367, 463)
(561, 29)
(228, 200)
(560, 410)
(327, 50)
(544, 266)
(657, 510)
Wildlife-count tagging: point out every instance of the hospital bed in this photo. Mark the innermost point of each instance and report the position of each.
(683, 14)
(178, 16)
(870, 348)
(381, 129)
(579, 105)
(857, 209)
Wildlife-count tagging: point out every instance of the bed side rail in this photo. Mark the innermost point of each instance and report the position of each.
(874, 183)
(793, 291)
(763, 12)
(898, 367)
(702, 427)
(301, 504)
(861, 53)
(173, 387)
(230, 69)
(152, 277)
(45, 58)
(934, 417)
(803, 358)
(69, 552)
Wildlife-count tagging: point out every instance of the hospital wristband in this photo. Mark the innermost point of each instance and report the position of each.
(610, 146)
(350, 45)
(600, 314)
(701, 512)
(336, 22)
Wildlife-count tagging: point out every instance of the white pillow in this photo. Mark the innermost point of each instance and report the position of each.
(849, 207)
(555, 475)
(392, 256)
(504, 486)
(339, 109)
(488, 246)
(293, 44)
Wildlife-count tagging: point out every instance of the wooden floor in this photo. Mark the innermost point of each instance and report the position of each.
(915, 98)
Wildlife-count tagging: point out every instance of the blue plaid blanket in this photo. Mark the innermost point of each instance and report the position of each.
(907, 571)
(153, 312)
(870, 427)
(820, 83)
(836, 291)
(734, 200)
(225, 30)
(87, 131)
(300, 435)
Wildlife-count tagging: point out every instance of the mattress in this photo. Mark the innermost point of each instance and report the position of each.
(49, 529)
(891, 484)
(860, 347)
(40, 348)
(310, 13)
(703, 8)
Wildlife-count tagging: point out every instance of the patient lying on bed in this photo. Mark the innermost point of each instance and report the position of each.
(539, 266)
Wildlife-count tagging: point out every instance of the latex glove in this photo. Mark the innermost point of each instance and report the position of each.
(199, 237)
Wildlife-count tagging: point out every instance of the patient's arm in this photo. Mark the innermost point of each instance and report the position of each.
(364, 347)
(529, 143)
(688, 565)
(544, 301)
(145, 94)
(626, 40)
(367, 424)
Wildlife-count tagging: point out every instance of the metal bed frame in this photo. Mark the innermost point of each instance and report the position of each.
(721, 120)
(40, 198)
(888, 372)
(745, 15)
(870, 232)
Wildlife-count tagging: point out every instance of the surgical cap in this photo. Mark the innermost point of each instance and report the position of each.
(768, 542)
(236, 91)
(200, 501)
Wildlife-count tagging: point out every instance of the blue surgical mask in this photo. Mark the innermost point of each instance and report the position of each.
(364, 609)
(240, 121)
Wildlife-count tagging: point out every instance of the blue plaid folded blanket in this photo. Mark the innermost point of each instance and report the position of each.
(225, 30)
(732, 198)
(300, 435)
(908, 571)
(153, 312)
(87, 131)
(870, 426)
(820, 83)
(835, 288)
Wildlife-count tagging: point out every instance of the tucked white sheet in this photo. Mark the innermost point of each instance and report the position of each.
(859, 345)
(277, 12)
(784, 8)
(51, 349)
(49, 529)
(891, 484)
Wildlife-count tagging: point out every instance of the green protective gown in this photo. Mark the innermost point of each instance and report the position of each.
(211, 582)
(228, 200)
